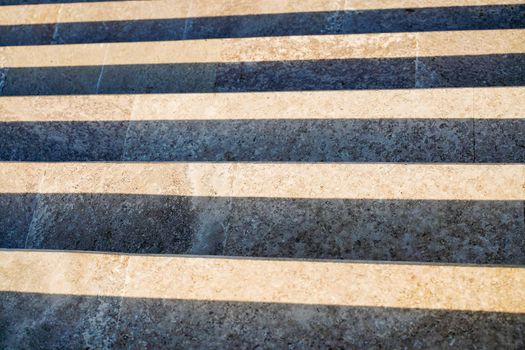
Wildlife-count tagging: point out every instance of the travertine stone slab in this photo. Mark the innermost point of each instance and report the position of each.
(273, 180)
(472, 288)
(269, 49)
(471, 42)
(66, 108)
(495, 102)
(130, 10)
(488, 103)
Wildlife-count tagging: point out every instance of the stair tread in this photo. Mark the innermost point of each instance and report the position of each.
(132, 10)
(271, 180)
(374, 284)
(464, 103)
(346, 46)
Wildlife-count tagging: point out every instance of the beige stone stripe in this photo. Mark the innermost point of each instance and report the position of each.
(429, 286)
(480, 103)
(352, 46)
(272, 180)
(136, 10)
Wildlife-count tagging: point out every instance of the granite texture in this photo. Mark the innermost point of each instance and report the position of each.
(443, 140)
(59, 321)
(139, 224)
(62, 141)
(485, 232)
(107, 301)
(308, 75)
(211, 325)
(42, 321)
(52, 81)
(16, 212)
(273, 24)
(500, 140)
(470, 71)
(157, 78)
(299, 140)
(324, 206)
(316, 75)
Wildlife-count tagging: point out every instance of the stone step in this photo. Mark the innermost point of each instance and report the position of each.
(271, 180)
(160, 21)
(64, 12)
(298, 75)
(410, 212)
(294, 48)
(447, 103)
(344, 283)
(223, 127)
(116, 300)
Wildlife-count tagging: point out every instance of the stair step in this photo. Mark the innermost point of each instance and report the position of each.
(355, 46)
(272, 180)
(478, 103)
(449, 287)
(118, 301)
(77, 25)
(133, 10)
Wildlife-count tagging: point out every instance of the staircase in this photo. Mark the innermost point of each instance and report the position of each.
(262, 174)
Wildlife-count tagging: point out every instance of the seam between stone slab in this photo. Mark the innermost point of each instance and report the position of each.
(226, 225)
(130, 119)
(3, 79)
(473, 116)
(54, 37)
(36, 207)
(416, 63)
(100, 76)
(188, 23)
(121, 301)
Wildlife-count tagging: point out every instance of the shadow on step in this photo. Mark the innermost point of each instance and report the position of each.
(285, 24)
(297, 140)
(66, 321)
(485, 232)
(307, 75)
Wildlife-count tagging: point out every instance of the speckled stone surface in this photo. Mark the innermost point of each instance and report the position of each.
(274, 24)
(309, 75)
(52, 81)
(500, 140)
(302, 140)
(157, 301)
(279, 173)
(487, 232)
(122, 223)
(336, 140)
(62, 141)
(465, 71)
(16, 213)
(41, 321)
